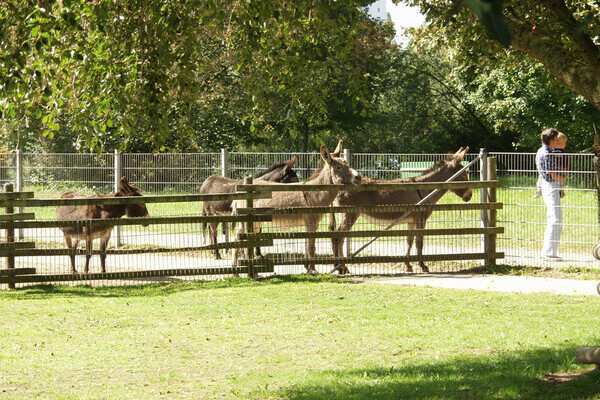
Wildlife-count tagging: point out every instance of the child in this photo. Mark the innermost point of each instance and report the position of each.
(562, 162)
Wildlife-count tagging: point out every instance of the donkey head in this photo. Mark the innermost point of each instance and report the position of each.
(282, 173)
(132, 210)
(341, 173)
(454, 164)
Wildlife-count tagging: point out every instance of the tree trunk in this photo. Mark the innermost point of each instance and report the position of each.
(305, 138)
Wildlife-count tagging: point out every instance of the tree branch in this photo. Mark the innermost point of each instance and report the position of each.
(565, 65)
(582, 41)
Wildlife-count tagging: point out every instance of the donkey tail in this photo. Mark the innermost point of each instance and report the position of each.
(203, 228)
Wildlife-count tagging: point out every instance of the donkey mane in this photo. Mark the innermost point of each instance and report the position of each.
(431, 170)
(271, 169)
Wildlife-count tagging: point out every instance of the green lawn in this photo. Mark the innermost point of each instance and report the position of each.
(292, 338)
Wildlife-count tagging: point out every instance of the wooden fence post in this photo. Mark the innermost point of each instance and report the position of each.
(19, 184)
(348, 239)
(118, 172)
(483, 176)
(10, 236)
(250, 228)
(492, 213)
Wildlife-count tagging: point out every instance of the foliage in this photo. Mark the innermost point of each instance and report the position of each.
(148, 75)
(518, 100)
(563, 36)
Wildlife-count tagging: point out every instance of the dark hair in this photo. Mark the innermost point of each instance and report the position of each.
(548, 135)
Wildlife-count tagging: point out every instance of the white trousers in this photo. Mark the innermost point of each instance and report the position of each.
(551, 195)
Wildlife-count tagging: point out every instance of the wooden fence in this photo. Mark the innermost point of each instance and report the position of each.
(488, 230)
(12, 249)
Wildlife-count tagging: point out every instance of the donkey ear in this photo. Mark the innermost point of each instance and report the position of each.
(338, 150)
(457, 154)
(460, 154)
(127, 187)
(325, 155)
(291, 162)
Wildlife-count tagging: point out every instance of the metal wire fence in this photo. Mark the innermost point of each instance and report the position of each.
(523, 216)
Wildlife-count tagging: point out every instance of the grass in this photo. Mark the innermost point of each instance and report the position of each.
(292, 338)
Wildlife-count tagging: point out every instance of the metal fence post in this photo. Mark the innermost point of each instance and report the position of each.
(118, 172)
(224, 173)
(19, 184)
(224, 164)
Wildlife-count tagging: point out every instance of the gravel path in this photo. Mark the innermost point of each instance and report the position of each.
(498, 283)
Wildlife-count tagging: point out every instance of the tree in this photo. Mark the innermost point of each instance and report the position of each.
(145, 74)
(563, 37)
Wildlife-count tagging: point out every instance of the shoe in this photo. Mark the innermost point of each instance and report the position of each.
(537, 194)
(553, 258)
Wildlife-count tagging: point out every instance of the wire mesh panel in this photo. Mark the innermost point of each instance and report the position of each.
(51, 173)
(7, 168)
(241, 165)
(170, 173)
(524, 214)
(394, 166)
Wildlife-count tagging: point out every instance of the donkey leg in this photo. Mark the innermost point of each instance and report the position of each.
(70, 245)
(409, 242)
(420, 253)
(346, 223)
(235, 253)
(226, 229)
(311, 226)
(212, 237)
(89, 247)
(103, 245)
(421, 225)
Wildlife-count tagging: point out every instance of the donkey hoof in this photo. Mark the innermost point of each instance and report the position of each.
(343, 270)
(311, 271)
(409, 268)
(424, 268)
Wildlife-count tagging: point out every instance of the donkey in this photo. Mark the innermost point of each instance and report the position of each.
(282, 173)
(96, 211)
(440, 172)
(335, 170)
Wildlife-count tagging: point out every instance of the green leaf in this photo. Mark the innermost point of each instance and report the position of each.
(489, 13)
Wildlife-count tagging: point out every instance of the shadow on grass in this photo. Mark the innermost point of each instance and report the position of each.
(509, 376)
(157, 289)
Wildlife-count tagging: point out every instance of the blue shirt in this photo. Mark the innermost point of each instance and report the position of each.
(546, 163)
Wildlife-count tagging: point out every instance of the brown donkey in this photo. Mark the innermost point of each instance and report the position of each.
(335, 171)
(96, 211)
(440, 172)
(282, 173)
